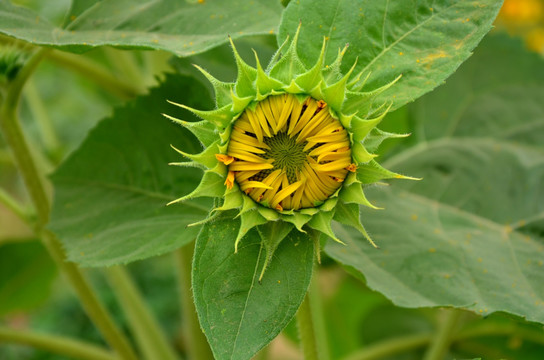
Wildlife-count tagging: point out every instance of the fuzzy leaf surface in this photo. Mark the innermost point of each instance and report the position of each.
(424, 40)
(26, 275)
(180, 27)
(238, 314)
(111, 193)
(470, 234)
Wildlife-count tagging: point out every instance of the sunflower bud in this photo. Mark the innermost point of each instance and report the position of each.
(287, 144)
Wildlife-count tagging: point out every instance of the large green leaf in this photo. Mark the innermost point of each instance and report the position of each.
(26, 275)
(422, 40)
(111, 193)
(181, 27)
(470, 233)
(238, 314)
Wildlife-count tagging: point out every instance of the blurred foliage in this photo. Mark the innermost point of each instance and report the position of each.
(355, 316)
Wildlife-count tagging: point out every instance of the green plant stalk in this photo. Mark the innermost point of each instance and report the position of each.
(306, 330)
(95, 72)
(74, 349)
(195, 342)
(150, 337)
(35, 185)
(126, 63)
(532, 335)
(391, 347)
(86, 67)
(39, 112)
(320, 328)
(406, 343)
(443, 338)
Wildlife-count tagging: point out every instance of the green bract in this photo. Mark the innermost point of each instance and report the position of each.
(345, 100)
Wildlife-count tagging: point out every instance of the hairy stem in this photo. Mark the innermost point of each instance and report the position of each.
(150, 337)
(39, 113)
(196, 345)
(306, 329)
(443, 337)
(56, 344)
(35, 185)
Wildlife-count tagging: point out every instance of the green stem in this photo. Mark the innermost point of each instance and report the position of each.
(56, 344)
(443, 338)
(150, 337)
(318, 312)
(125, 62)
(401, 344)
(15, 140)
(90, 302)
(96, 73)
(35, 185)
(533, 335)
(39, 113)
(195, 342)
(391, 347)
(306, 329)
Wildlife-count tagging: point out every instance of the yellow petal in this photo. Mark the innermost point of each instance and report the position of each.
(246, 139)
(243, 155)
(237, 146)
(245, 166)
(285, 192)
(230, 180)
(225, 159)
(269, 194)
(254, 184)
(243, 176)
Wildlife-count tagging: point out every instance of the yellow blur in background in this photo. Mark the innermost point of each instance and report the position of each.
(524, 18)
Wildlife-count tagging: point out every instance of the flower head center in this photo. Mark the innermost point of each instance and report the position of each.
(287, 153)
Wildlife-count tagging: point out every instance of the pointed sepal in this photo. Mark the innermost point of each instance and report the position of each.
(354, 194)
(321, 221)
(245, 81)
(204, 131)
(373, 172)
(211, 185)
(264, 83)
(312, 78)
(221, 89)
(375, 138)
(348, 214)
(332, 72)
(360, 128)
(233, 199)
(221, 118)
(298, 219)
(334, 94)
(289, 65)
(249, 220)
(362, 102)
(272, 234)
(360, 153)
(206, 157)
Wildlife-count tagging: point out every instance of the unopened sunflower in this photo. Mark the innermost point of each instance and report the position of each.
(290, 144)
